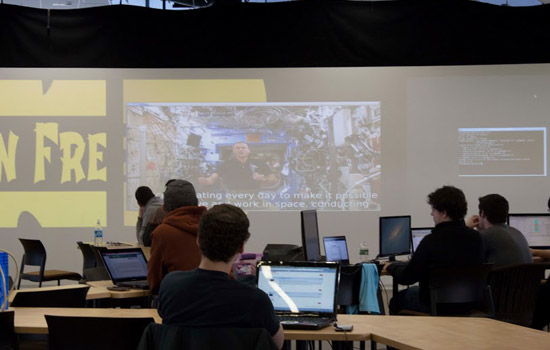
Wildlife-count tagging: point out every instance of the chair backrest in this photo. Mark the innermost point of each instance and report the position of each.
(96, 274)
(515, 290)
(88, 256)
(8, 338)
(157, 336)
(459, 289)
(61, 297)
(35, 253)
(349, 285)
(96, 250)
(106, 333)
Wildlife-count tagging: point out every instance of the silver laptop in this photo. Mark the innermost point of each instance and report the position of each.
(303, 293)
(417, 235)
(127, 267)
(336, 249)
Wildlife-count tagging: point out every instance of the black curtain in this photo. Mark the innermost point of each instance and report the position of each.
(291, 34)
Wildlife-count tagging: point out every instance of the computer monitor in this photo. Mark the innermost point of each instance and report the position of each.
(535, 228)
(310, 235)
(395, 236)
(417, 235)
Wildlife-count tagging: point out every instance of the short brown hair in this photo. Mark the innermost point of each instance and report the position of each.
(222, 231)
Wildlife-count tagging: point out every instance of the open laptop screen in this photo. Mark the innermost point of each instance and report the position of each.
(297, 289)
(535, 228)
(418, 234)
(336, 248)
(125, 264)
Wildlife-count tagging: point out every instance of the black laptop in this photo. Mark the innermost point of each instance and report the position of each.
(417, 235)
(304, 294)
(336, 249)
(127, 267)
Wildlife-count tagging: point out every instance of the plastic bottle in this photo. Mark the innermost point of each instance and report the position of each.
(98, 234)
(363, 252)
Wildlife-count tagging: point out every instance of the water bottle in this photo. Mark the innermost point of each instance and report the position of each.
(363, 252)
(98, 234)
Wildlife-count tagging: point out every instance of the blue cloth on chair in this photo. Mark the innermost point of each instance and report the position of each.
(368, 293)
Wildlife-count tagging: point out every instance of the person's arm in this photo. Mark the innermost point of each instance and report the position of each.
(154, 265)
(541, 253)
(209, 180)
(411, 272)
(147, 215)
(279, 337)
(139, 223)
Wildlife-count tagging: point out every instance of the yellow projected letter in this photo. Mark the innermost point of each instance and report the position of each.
(67, 140)
(94, 156)
(57, 98)
(7, 157)
(43, 130)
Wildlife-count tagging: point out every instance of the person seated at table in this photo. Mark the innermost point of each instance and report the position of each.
(153, 223)
(505, 244)
(148, 203)
(207, 296)
(173, 243)
(450, 245)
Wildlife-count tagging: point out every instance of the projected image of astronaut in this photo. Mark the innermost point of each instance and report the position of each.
(242, 172)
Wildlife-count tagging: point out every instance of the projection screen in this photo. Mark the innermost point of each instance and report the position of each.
(353, 143)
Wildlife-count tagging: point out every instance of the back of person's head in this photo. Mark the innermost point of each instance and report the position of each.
(143, 194)
(222, 231)
(450, 200)
(495, 208)
(179, 193)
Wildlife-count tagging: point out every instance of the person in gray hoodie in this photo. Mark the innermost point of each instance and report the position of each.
(148, 204)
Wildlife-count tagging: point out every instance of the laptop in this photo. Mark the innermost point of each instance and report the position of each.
(304, 294)
(127, 267)
(336, 249)
(417, 235)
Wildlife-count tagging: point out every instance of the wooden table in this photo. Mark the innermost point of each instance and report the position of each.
(101, 287)
(402, 332)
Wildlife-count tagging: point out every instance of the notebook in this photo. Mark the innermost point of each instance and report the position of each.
(336, 249)
(127, 267)
(417, 234)
(303, 293)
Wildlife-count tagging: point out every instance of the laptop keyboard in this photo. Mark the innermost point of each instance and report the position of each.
(303, 319)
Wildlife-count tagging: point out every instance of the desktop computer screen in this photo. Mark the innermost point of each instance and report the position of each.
(310, 235)
(395, 236)
(535, 228)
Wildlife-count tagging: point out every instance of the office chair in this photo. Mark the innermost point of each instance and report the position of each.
(158, 336)
(515, 290)
(90, 333)
(89, 259)
(73, 296)
(35, 255)
(459, 292)
(92, 270)
(8, 338)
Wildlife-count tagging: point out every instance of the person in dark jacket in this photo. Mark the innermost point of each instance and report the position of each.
(207, 297)
(450, 245)
(174, 242)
